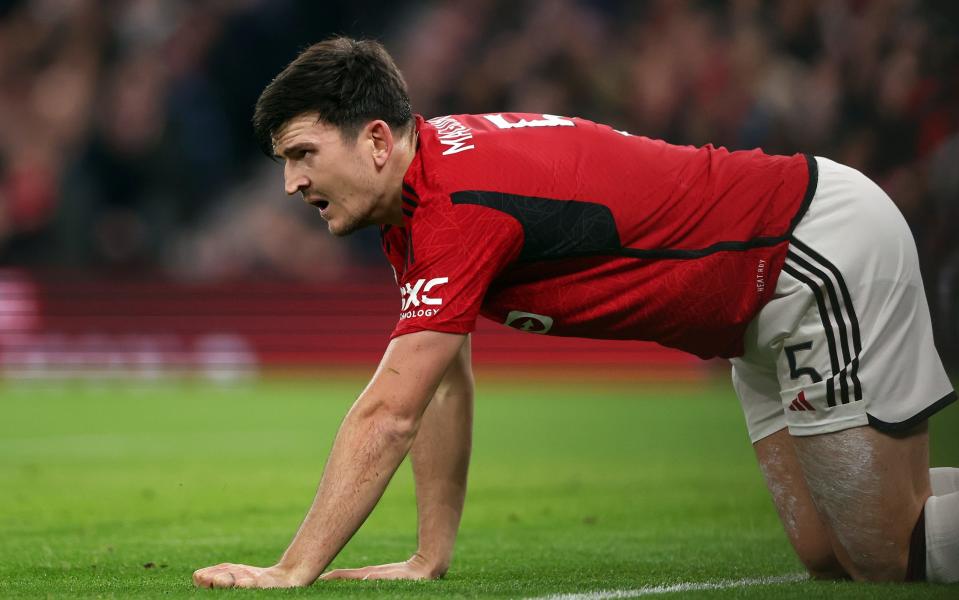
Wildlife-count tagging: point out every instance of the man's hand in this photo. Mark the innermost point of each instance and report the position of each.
(372, 441)
(416, 567)
(229, 575)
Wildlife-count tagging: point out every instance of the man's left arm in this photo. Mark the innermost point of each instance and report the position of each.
(372, 441)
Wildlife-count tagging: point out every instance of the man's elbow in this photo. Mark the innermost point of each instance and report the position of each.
(398, 427)
(392, 421)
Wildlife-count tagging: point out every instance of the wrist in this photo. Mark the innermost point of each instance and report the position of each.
(298, 574)
(432, 565)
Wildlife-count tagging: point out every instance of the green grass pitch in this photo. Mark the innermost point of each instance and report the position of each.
(123, 489)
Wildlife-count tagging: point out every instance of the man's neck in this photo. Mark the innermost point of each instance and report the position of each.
(406, 152)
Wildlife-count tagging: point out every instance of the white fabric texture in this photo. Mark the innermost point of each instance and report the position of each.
(847, 339)
(944, 480)
(942, 538)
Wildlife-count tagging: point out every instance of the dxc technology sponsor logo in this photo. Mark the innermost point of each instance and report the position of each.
(415, 295)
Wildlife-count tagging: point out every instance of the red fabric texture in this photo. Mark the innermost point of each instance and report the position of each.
(662, 198)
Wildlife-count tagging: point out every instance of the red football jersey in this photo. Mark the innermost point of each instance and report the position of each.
(562, 226)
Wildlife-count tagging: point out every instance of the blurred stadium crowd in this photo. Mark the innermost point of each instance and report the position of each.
(125, 143)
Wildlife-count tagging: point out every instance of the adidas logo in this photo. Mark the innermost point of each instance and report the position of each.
(800, 403)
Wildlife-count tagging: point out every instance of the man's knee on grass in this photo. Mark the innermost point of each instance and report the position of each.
(869, 488)
(807, 533)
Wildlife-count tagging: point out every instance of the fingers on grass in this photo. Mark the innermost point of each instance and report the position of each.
(245, 580)
(386, 572)
(223, 579)
(203, 577)
(345, 574)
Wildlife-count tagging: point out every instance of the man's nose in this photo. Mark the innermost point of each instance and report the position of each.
(295, 182)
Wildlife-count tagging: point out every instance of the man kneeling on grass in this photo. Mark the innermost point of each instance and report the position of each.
(799, 270)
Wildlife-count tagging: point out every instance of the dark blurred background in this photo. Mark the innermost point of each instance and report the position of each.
(126, 149)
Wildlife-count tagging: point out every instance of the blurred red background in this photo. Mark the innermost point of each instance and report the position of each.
(134, 204)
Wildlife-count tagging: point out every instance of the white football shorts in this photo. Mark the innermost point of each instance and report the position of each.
(847, 339)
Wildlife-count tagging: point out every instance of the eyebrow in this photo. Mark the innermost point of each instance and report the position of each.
(302, 146)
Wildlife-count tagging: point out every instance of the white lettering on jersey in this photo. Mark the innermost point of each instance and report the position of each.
(452, 133)
(414, 294)
(761, 276)
(547, 121)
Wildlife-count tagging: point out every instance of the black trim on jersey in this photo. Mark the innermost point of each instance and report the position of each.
(565, 228)
(760, 242)
(914, 420)
(411, 199)
(409, 249)
(827, 326)
(409, 190)
(553, 228)
(811, 186)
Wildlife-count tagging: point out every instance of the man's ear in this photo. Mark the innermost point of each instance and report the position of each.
(381, 141)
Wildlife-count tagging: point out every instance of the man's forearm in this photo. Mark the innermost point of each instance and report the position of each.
(372, 441)
(368, 448)
(440, 457)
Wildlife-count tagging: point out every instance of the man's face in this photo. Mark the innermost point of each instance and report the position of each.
(336, 176)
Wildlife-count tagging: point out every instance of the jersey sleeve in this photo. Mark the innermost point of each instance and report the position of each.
(452, 254)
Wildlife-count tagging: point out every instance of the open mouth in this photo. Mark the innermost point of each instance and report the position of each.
(320, 203)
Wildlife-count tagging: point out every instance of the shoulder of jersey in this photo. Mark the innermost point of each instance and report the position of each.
(463, 135)
(465, 151)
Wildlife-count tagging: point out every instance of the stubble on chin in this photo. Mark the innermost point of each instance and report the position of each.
(345, 229)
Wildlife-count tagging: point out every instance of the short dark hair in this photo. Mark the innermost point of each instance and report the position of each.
(347, 82)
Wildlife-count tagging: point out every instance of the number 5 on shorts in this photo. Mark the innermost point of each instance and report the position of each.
(797, 372)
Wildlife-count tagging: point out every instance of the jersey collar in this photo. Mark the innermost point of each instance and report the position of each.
(411, 198)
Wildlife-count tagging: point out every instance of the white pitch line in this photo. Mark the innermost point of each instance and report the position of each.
(676, 587)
